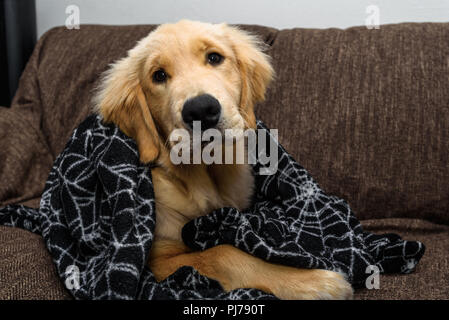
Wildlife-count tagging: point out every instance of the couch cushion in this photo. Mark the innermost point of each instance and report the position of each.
(25, 158)
(26, 268)
(28, 272)
(430, 280)
(367, 113)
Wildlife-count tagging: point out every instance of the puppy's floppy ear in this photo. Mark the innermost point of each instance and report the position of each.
(121, 100)
(255, 69)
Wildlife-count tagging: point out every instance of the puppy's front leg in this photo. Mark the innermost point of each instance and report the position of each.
(235, 269)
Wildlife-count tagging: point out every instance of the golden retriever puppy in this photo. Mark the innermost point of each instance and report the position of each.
(193, 71)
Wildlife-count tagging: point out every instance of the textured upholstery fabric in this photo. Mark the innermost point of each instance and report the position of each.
(430, 281)
(27, 271)
(367, 113)
(26, 268)
(375, 103)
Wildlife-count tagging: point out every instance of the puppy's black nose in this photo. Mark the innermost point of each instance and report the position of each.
(204, 108)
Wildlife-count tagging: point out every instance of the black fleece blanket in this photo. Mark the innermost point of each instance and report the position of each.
(97, 217)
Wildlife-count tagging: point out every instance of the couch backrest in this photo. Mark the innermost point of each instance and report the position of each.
(365, 111)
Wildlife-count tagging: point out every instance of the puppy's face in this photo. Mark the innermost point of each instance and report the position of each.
(181, 73)
(192, 74)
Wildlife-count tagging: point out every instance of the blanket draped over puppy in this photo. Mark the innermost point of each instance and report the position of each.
(97, 217)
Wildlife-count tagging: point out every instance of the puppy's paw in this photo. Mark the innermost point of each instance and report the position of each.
(313, 285)
(331, 286)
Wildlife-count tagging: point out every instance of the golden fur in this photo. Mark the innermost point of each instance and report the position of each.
(149, 112)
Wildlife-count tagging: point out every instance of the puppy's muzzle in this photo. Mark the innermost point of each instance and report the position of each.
(204, 108)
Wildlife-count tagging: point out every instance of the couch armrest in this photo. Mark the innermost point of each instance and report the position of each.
(25, 155)
(25, 159)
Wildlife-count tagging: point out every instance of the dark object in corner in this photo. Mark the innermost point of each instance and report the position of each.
(17, 38)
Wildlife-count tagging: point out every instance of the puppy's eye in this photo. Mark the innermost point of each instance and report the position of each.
(214, 58)
(160, 76)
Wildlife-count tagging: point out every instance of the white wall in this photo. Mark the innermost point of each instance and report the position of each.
(275, 13)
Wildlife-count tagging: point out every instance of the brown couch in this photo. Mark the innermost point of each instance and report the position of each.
(365, 111)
